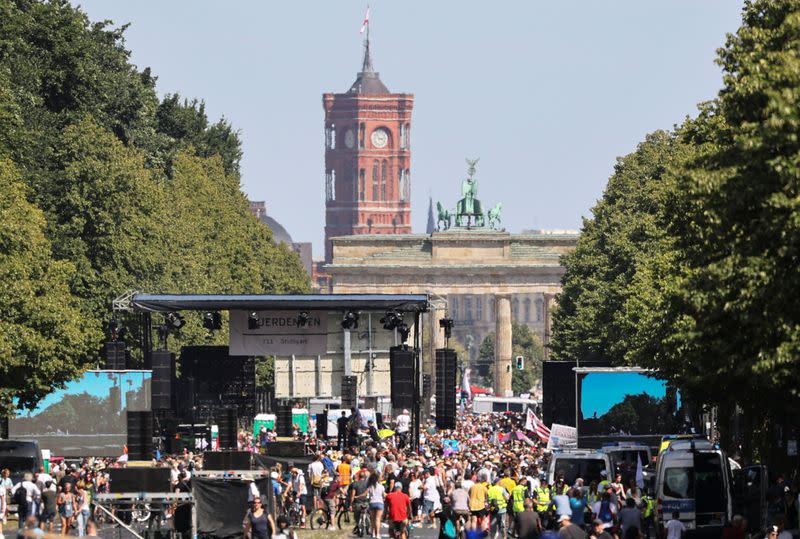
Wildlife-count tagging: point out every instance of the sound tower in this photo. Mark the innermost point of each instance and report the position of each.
(349, 391)
(426, 386)
(115, 356)
(140, 435)
(283, 420)
(163, 373)
(228, 422)
(445, 388)
(401, 368)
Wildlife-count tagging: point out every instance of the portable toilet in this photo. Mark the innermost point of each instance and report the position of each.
(300, 418)
(266, 420)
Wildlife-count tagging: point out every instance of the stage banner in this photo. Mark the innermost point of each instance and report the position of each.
(562, 436)
(278, 333)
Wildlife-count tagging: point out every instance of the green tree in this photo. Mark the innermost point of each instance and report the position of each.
(623, 232)
(729, 328)
(44, 337)
(524, 342)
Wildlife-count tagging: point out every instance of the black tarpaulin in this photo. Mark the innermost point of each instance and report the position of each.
(268, 461)
(221, 504)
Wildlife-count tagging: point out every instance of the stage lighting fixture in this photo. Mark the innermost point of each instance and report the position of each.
(447, 325)
(403, 330)
(350, 320)
(175, 321)
(302, 319)
(252, 321)
(212, 321)
(391, 320)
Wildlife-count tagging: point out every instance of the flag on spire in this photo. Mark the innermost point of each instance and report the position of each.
(366, 21)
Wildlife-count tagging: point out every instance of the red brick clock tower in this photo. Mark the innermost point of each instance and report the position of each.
(367, 158)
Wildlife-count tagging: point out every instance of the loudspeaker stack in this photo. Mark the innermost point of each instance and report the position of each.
(426, 386)
(401, 367)
(445, 388)
(228, 423)
(163, 369)
(349, 391)
(115, 356)
(140, 435)
(283, 419)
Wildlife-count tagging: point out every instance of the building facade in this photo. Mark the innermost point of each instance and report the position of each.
(484, 279)
(367, 158)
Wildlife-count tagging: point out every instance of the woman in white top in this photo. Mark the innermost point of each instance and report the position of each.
(375, 495)
(415, 493)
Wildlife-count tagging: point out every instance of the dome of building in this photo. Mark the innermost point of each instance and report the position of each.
(279, 234)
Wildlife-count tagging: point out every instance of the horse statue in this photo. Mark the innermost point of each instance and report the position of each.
(444, 217)
(494, 215)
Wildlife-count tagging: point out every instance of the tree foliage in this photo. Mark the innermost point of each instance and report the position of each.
(111, 189)
(524, 342)
(689, 259)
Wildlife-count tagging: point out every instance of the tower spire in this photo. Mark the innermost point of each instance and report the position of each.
(366, 65)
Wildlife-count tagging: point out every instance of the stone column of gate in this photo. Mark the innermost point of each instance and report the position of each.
(502, 346)
(549, 300)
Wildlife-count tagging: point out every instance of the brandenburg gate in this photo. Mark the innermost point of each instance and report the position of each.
(468, 257)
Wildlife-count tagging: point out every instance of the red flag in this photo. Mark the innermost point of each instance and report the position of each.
(366, 21)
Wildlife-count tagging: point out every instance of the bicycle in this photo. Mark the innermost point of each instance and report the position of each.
(292, 511)
(321, 519)
(363, 522)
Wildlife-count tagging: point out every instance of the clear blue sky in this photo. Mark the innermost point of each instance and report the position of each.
(547, 94)
(600, 391)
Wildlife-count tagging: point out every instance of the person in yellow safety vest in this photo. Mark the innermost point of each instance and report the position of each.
(498, 503)
(543, 498)
(518, 495)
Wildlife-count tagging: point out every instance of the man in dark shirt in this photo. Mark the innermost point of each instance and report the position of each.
(599, 530)
(568, 529)
(341, 430)
(358, 497)
(527, 522)
(49, 496)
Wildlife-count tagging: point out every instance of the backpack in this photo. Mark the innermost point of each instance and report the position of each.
(449, 529)
(21, 496)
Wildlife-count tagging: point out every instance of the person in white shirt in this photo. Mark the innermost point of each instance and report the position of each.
(32, 493)
(675, 528)
(403, 425)
(301, 491)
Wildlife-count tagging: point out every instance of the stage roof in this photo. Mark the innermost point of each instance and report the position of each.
(278, 302)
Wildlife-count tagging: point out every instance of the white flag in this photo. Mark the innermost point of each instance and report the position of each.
(639, 471)
(366, 21)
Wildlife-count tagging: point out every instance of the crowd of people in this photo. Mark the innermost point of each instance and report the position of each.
(485, 479)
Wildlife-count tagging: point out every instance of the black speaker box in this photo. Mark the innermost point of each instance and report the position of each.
(426, 386)
(163, 373)
(283, 420)
(140, 435)
(401, 367)
(322, 426)
(226, 460)
(116, 356)
(349, 391)
(228, 421)
(558, 390)
(446, 364)
(285, 449)
(138, 480)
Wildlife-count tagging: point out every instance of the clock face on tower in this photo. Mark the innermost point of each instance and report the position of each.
(379, 138)
(350, 139)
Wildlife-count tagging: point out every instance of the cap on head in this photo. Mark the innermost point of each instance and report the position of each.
(562, 518)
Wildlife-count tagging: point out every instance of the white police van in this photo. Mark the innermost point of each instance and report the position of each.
(590, 465)
(693, 478)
